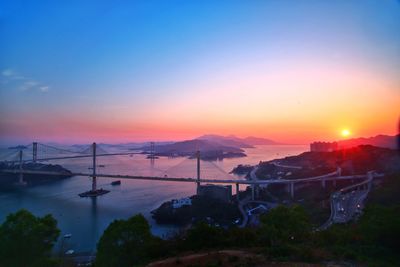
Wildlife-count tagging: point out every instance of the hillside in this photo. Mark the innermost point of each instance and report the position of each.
(225, 140)
(353, 160)
(385, 141)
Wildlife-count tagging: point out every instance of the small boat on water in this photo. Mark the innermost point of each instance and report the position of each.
(67, 235)
(94, 193)
(116, 182)
(70, 252)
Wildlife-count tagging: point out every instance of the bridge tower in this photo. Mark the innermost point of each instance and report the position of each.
(198, 171)
(94, 192)
(152, 150)
(34, 152)
(94, 182)
(152, 155)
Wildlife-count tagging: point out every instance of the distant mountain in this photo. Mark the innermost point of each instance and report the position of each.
(233, 140)
(191, 146)
(260, 141)
(385, 141)
(209, 150)
(225, 140)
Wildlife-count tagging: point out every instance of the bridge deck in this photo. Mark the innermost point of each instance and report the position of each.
(327, 177)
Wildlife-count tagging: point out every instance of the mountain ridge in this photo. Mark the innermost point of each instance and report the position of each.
(247, 142)
(381, 140)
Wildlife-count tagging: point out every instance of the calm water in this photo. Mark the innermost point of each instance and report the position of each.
(87, 218)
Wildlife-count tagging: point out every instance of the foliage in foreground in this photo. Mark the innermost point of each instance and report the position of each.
(127, 243)
(285, 234)
(26, 240)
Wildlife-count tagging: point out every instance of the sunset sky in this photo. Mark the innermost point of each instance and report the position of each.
(117, 71)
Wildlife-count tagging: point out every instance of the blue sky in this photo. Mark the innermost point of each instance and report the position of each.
(95, 66)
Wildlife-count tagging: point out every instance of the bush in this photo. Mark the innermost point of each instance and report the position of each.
(26, 240)
(128, 243)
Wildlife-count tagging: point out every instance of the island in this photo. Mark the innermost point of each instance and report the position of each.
(194, 209)
(8, 180)
(242, 169)
(209, 150)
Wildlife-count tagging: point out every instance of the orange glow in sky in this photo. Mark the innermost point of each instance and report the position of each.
(345, 132)
(294, 73)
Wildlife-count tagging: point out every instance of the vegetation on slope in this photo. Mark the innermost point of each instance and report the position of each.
(286, 234)
(26, 240)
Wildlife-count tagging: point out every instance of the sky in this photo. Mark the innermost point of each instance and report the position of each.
(118, 71)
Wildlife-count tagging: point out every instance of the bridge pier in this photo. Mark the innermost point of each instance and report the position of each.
(323, 183)
(21, 175)
(370, 176)
(292, 190)
(334, 183)
(237, 192)
(339, 171)
(252, 192)
(198, 171)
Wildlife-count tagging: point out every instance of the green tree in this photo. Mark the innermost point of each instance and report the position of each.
(127, 243)
(285, 225)
(380, 228)
(26, 240)
(203, 235)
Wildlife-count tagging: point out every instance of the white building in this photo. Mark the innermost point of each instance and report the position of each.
(177, 203)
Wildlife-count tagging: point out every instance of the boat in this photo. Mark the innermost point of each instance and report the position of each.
(70, 252)
(118, 182)
(94, 193)
(67, 235)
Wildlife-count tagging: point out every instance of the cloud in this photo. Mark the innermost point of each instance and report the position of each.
(8, 73)
(44, 89)
(28, 85)
(9, 76)
(12, 75)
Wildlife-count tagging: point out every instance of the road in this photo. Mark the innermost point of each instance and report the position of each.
(243, 208)
(349, 201)
(243, 204)
(347, 205)
(277, 164)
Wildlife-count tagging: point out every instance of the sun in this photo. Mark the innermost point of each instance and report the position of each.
(345, 132)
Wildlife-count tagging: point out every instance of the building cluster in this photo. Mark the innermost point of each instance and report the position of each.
(221, 192)
(177, 203)
(323, 146)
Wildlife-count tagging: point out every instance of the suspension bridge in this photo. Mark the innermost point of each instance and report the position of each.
(17, 159)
